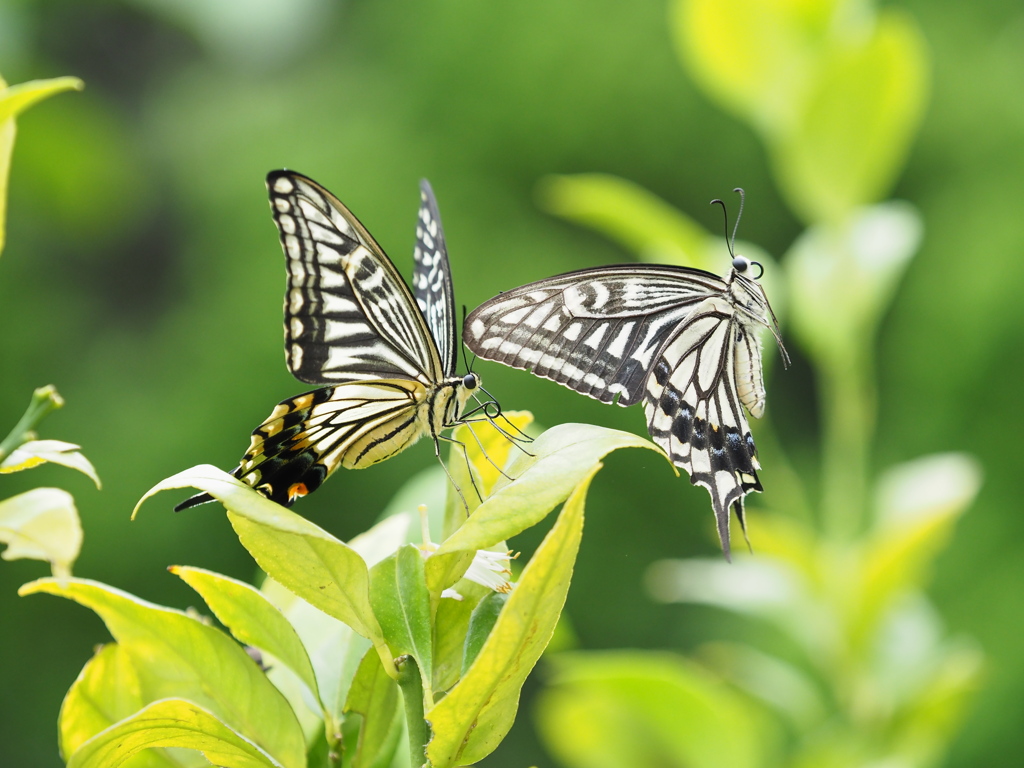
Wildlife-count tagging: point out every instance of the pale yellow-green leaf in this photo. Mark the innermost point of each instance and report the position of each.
(561, 458)
(919, 503)
(450, 625)
(300, 555)
(375, 697)
(176, 655)
(107, 690)
(757, 58)
(334, 650)
(851, 138)
(630, 215)
(14, 100)
(635, 710)
(173, 723)
(477, 713)
(482, 441)
(842, 281)
(41, 524)
(252, 619)
(36, 452)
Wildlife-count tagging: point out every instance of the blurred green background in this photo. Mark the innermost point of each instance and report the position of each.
(143, 277)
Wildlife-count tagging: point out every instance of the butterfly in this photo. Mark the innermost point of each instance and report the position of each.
(383, 357)
(683, 341)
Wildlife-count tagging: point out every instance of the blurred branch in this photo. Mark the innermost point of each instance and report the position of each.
(44, 401)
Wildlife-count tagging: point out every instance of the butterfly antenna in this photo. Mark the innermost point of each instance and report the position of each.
(465, 360)
(739, 215)
(725, 213)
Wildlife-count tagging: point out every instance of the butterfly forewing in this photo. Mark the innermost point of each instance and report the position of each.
(432, 279)
(347, 309)
(595, 330)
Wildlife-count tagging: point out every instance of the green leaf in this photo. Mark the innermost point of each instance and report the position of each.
(107, 690)
(851, 138)
(451, 622)
(481, 622)
(300, 555)
(178, 656)
(485, 449)
(41, 524)
(562, 458)
(631, 216)
(757, 58)
(919, 502)
(401, 603)
(841, 283)
(36, 452)
(374, 695)
(252, 619)
(13, 101)
(636, 709)
(477, 713)
(173, 723)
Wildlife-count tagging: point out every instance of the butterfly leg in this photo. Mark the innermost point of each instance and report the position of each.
(455, 485)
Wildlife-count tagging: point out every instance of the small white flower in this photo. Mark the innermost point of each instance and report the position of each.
(488, 569)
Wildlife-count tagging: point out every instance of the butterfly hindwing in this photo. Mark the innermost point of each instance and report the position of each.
(432, 279)
(694, 411)
(307, 437)
(349, 315)
(595, 330)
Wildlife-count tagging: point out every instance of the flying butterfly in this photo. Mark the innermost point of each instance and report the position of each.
(682, 340)
(383, 358)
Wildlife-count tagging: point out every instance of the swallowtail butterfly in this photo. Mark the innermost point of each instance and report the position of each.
(383, 357)
(683, 341)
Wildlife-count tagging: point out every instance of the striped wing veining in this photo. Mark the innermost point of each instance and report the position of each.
(695, 411)
(349, 316)
(432, 279)
(596, 330)
(353, 425)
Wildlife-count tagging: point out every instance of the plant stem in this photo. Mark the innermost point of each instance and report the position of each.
(848, 407)
(44, 401)
(412, 694)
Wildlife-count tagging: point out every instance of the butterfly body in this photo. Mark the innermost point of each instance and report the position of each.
(685, 342)
(382, 356)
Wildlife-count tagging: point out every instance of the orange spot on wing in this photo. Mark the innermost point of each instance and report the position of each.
(297, 491)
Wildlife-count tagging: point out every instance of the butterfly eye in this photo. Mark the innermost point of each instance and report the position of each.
(741, 264)
(470, 381)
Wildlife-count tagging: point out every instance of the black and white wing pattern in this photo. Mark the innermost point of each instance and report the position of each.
(596, 330)
(432, 279)
(352, 323)
(683, 341)
(347, 309)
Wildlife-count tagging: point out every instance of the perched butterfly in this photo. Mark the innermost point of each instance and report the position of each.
(383, 357)
(683, 341)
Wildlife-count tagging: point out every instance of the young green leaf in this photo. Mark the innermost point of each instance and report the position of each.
(252, 619)
(41, 524)
(178, 656)
(451, 622)
(36, 452)
(401, 603)
(300, 555)
(633, 710)
(375, 696)
(173, 723)
(13, 101)
(561, 459)
(477, 713)
(107, 690)
(481, 622)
